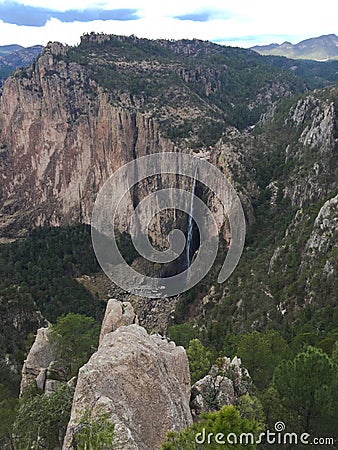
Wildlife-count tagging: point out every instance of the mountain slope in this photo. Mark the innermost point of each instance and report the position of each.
(287, 276)
(14, 56)
(77, 114)
(315, 74)
(8, 49)
(109, 100)
(321, 48)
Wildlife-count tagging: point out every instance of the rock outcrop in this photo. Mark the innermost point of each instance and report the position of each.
(41, 370)
(117, 314)
(142, 382)
(226, 381)
(40, 356)
(325, 231)
(312, 149)
(316, 262)
(76, 115)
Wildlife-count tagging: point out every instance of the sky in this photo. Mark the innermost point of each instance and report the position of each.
(242, 23)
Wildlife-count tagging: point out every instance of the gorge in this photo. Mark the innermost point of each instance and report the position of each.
(75, 116)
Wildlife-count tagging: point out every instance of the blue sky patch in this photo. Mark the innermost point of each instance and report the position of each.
(196, 17)
(205, 16)
(17, 14)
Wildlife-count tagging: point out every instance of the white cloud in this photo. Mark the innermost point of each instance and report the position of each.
(265, 20)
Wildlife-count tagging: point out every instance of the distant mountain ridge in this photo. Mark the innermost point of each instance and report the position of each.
(8, 49)
(14, 56)
(322, 48)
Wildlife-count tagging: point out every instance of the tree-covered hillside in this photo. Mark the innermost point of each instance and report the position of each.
(257, 119)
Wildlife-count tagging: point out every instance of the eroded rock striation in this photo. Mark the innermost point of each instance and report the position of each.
(61, 139)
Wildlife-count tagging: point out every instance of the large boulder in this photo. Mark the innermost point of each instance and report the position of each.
(142, 382)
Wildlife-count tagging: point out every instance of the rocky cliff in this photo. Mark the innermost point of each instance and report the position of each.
(69, 120)
(312, 149)
(142, 382)
(14, 56)
(61, 139)
(77, 114)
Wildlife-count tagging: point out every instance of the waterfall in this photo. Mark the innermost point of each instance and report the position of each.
(190, 222)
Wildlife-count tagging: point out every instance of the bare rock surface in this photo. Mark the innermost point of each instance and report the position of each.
(41, 354)
(224, 384)
(117, 314)
(141, 381)
(312, 120)
(325, 228)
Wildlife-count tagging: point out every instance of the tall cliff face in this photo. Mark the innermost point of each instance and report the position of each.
(61, 139)
(77, 114)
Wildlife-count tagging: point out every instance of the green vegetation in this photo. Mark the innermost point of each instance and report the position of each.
(75, 337)
(268, 287)
(39, 273)
(223, 83)
(182, 334)
(227, 421)
(299, 389)
(260, 353)
(8, 411)
(41, 420)
(200, 359)
(251, 408)
(315, 74)
(287, 342)
(94, 434)
(261, 314)
(45, 266)
(307, 387)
